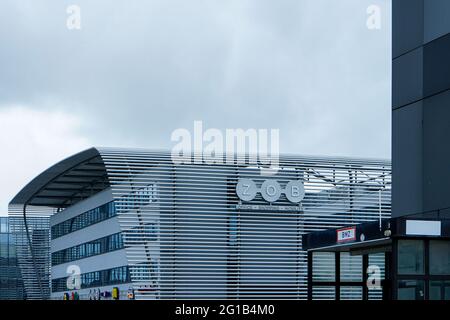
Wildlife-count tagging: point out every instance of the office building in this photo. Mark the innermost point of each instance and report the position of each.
(132, 224)
(420, 148)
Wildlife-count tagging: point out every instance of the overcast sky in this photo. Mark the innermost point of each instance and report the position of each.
(137, 70)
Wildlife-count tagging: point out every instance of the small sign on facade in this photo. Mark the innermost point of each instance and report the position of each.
(346, 234)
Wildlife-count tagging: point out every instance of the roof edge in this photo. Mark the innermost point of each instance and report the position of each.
(40, 181)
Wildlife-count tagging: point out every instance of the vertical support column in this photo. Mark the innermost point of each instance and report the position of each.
(310, 274)
(394, 268)
(337, 265)
(427, 270)
(387, 283)
(365, 266)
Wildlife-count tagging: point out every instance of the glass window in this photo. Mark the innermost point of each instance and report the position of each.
(439, 257)
(411, 290)
(4, 238)
(439, 290)
(376, 268)
(377, 262)
(82, 251)
(324, 293)
(3, 226)
(99, 246)
(351, 293)
(324, 266)
(351, 267)
(375, 294)
(84, 220)
(411, 257)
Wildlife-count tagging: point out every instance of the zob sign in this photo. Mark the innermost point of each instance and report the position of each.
(270, 190)
(346, 234)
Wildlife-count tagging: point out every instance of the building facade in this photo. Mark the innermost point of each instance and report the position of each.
(11, 283)
(30, 240)
(420, 148)
(420, 107)
(132, 224)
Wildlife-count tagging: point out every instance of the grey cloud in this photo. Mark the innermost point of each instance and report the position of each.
(139, 69)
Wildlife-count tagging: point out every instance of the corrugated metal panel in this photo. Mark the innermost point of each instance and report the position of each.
(207, 248)
(185, 235)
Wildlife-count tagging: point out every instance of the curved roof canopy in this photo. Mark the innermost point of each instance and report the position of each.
(84, 174)
(67, 182)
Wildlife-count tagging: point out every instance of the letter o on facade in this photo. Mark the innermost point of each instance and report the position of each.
(271, 190)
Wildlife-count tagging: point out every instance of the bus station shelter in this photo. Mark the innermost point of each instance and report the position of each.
(405, 258)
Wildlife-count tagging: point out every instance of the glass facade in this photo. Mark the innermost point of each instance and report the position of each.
(148, 272)
(440, 290)
(423, 269)
(411, 290)
(439, 257)
(352, 277)
(351, 293)
(99, 246)
(351, 267)
(411, 257)
(141, 197)
(86, 219)
(377, 263)
(99, 278)
(143, 233)
(324, 267)
(11, 283)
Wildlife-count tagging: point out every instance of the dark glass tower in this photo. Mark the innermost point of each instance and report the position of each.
(421, 108)
(11, 284)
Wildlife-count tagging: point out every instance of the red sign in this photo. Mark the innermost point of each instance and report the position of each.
(346, 234)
